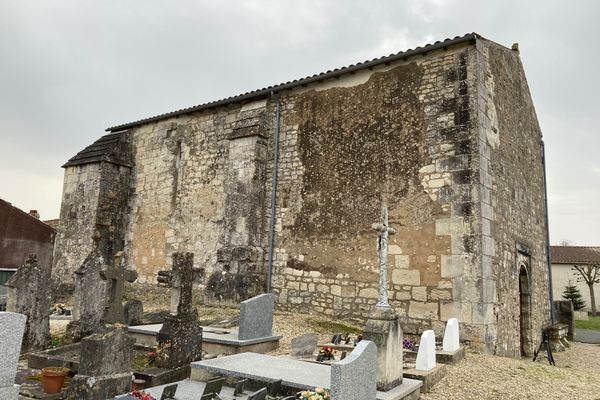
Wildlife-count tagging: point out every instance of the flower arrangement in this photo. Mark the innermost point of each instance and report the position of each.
(408, 343)
(151, 357)
(142, 395)
(327, 353)
(317, 394)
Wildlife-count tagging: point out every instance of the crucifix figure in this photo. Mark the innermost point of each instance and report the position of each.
(117, 274)
(382, 251)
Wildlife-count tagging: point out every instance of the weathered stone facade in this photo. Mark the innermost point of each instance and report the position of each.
(447, 134)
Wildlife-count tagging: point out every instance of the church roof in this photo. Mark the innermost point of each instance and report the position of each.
(261, 93)
(575, 255)
(104, 149)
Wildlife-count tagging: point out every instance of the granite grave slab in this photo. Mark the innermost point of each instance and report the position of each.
(12, 329)
(294, 374)
(355, 377)
(304, 345)
(256, 317)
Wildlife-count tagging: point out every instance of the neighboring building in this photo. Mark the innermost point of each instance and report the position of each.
(563, 259)
(20, 235)
(447, 134)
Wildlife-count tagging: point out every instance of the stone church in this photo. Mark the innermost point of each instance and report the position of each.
(277, 189)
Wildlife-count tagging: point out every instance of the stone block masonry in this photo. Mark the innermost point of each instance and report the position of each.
(448, 134)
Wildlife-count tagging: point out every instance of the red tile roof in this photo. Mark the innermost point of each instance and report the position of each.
(575, 255)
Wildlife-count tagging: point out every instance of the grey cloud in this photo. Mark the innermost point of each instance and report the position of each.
(69, 69)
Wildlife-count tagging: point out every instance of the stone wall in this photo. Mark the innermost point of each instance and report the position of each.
(401, 131)
(513, 212)
(81, 191)
(95, 202)
(433, 134)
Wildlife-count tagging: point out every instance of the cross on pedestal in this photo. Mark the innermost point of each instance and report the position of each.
(117, 275)
(382, 251)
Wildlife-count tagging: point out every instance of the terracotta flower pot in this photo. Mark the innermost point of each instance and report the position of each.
(138, 384)
(53, 379)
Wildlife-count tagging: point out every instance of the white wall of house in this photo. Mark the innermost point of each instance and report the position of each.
(561, 273)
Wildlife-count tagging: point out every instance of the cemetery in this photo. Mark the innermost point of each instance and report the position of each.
(108, 356)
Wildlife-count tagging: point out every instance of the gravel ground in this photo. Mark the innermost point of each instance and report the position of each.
(481, 376)
(478, 376)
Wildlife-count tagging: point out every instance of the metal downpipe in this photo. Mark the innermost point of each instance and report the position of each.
(274, 188)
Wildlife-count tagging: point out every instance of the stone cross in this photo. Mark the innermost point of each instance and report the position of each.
(117, 274)
(382, 251)
(181, 284)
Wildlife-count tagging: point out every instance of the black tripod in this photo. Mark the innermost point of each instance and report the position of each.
(545, 343)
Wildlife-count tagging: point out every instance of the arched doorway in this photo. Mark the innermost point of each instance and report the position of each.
(525, 310)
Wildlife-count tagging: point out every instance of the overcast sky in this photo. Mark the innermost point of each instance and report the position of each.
(69, 69)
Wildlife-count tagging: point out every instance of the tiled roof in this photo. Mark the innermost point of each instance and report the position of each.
(7, 205)
(260, 93)
(104, 149)
(52, 222)
(575, 255)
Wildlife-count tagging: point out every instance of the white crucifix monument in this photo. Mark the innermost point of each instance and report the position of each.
(383, 326)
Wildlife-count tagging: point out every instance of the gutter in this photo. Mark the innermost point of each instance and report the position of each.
(274, 188)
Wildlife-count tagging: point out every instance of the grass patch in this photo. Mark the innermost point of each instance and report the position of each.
(56, 339)
(593, 324)
(334, 327)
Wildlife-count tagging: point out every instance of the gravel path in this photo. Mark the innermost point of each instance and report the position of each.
(482, 376)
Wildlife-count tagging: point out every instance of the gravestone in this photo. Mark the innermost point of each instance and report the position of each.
(426, 353)
(106, 356)
(28, 294)
(354, 377)
(116, 275)
(451, 340)
(12, 329)
(134, 311)
(256, 317)
(305, 345)
(90, 296)
(104, 366)
(179, 341)
(383, 326)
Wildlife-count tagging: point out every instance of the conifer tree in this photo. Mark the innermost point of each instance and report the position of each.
(572, 293)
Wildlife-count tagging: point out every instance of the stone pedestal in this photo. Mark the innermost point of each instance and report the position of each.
(105, 366)
(383, 329)
(179, 342)
(557, 337)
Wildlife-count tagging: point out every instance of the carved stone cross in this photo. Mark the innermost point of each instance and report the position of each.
(181, 284)
(382, 251)
(117, 274)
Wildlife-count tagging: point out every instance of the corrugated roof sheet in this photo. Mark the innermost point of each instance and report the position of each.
(255, 94)
(575, 254)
